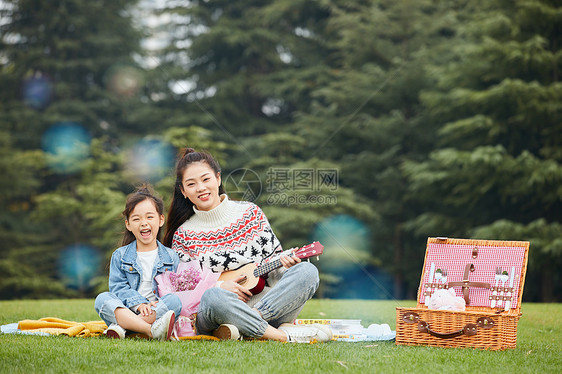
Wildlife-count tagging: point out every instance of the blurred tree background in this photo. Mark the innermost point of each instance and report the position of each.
(368, 125)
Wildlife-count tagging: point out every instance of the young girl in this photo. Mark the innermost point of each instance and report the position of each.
(132, 302)
(204, 225)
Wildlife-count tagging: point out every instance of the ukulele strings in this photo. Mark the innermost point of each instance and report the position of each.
(264, 269)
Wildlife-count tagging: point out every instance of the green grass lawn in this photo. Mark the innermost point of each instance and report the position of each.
(539, 347)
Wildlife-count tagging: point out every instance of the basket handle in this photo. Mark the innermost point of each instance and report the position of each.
(469, 329)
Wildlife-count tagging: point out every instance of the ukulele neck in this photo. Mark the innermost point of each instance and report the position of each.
(266, 268)
(314, 249)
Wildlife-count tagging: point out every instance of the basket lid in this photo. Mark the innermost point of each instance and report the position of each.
(471, 267)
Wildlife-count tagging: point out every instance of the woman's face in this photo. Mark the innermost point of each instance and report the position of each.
(200, 185)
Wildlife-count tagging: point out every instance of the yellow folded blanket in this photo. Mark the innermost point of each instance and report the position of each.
(57, 326)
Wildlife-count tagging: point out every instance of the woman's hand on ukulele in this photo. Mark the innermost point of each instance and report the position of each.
(289, 261)
(242, 292)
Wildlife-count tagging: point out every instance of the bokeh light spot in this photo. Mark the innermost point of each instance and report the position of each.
(67, 146)
(349, 266)
(124, 80)
(346, 242)
(150, 160)
(37, 91)
(77, 265)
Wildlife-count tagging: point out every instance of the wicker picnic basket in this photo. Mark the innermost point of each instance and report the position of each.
(493, 300)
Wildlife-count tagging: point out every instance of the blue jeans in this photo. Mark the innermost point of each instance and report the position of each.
(281, 304)
(106, 303)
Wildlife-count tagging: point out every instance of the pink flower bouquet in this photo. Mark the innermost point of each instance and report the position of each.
(189, 282)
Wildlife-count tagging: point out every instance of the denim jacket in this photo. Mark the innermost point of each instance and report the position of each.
(125, 272)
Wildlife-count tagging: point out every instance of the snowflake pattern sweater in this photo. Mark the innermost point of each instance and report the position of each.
(229, 236)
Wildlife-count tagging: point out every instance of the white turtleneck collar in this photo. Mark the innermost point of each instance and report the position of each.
(217, 216)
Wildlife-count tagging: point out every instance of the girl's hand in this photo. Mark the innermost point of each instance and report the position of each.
(243, 293)
(289, 261)
(145, 309)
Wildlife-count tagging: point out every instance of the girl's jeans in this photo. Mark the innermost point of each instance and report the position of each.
(281, 304)
(106, 303)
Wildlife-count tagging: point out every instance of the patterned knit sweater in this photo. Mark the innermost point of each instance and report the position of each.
(225, 238)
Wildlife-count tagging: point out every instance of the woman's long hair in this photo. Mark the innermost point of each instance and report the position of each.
(181, 209)
(141, 194)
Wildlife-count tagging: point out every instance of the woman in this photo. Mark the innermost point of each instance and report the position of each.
(204, 225)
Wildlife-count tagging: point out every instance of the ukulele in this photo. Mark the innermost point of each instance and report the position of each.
(254, 280)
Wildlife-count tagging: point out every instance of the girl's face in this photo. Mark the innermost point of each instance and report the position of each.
(144, 222)
(200, 185)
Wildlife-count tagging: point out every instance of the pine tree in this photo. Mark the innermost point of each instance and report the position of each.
(69, 61)
(68, 76)
(366, 116)
(497, 171)
(231, 60)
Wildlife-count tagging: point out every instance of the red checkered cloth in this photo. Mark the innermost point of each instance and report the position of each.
(454, 258)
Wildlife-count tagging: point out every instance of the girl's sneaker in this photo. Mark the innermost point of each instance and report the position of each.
(227, 332)
(115, 331)
(315, 333)
(162, 328)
